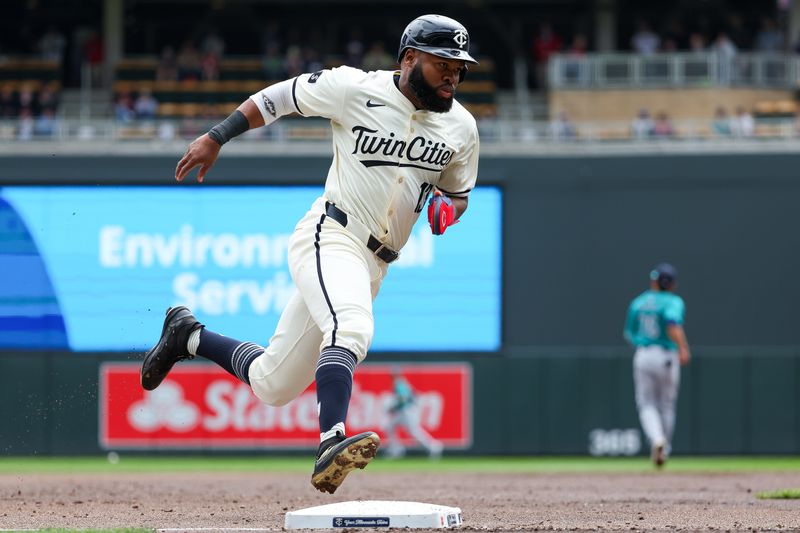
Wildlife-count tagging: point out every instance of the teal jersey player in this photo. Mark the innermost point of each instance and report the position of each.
(649, 317)
(404, 411)
(654, 326)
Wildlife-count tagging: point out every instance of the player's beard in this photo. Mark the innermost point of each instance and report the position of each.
(426, 93)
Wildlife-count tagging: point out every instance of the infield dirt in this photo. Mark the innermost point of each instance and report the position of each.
(657, 501)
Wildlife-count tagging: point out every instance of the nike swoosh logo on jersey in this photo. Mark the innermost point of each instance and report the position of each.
(370, 103)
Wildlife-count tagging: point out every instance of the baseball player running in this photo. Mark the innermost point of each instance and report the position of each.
(398, 139)
(404, 412)
(655, 327)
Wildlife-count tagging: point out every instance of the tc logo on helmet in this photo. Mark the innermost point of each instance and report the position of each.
(461, 38)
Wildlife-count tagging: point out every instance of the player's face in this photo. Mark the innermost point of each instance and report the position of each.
(434, 79)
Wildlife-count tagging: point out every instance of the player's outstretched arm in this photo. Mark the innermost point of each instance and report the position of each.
(204, 150)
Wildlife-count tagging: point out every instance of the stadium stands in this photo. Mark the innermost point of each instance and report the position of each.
(239, 77)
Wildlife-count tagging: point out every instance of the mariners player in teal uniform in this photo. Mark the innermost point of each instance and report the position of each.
(655, 327)
(404, 411)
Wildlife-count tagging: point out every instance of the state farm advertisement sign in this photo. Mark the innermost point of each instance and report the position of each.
(202, 406)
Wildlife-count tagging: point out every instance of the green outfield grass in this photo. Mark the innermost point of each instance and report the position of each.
(131, 464)
(782, 494)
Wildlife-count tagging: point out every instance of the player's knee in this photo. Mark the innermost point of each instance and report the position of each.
(276, 392)
(355, 335)
(355, 344)
(274, 396)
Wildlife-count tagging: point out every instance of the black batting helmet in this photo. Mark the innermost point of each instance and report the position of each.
(437, 35)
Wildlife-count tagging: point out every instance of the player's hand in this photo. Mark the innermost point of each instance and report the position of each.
(684, 356)
(202, 151)
(441, 213)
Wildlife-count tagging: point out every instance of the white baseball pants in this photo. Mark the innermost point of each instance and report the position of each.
(656, 379)
(336, 277)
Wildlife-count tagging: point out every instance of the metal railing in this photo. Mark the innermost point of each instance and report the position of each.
(706, 69)
(85, 134)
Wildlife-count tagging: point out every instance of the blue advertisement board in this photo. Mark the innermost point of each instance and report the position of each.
(95, 268)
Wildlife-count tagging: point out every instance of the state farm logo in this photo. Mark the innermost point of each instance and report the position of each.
(200, 405)
(166, 408)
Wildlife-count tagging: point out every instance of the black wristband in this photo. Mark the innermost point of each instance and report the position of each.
(234, 125)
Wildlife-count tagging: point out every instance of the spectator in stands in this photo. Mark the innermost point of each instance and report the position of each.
(642, 126)
(25, 124)
(576, 53)
(189, 62)
(272, 63)
(663, 126)
(52, 45)
(9, 105)
(45, 124)
(27, 101)
(645, 41)
(145, 106)
(293, 62)
(213, 44)
(377, 58)
(123, 107)
(724, 47)
(166, 130)
(743, 124)
(737, 32)
(697, 42)
(311, 59)
(674, 36)
(562, 129)
(579, 45)
(270, 35)
(354, 49)
(167, 69)
(48, 98)
(545, 43)
(212, 49)
(721, 125)
(668, 45)
(726, 52)
(769, 38)
(210, 66)
(94, 57)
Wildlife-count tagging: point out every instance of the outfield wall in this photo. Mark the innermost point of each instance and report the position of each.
(579, 237)
(558, 403)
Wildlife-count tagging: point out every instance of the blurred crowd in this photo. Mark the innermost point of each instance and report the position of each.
(286, 52)
(660, 125)
(129, 107)
(34, 110)
(195, 60)
(726, 38)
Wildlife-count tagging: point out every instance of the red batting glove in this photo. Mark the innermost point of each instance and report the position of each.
(441, 213)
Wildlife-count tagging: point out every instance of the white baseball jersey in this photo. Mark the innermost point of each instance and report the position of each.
(387, 154)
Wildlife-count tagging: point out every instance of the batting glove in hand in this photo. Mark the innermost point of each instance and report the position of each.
(441, 213)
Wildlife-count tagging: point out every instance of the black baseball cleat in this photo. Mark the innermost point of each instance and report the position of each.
(170, 348)
(659, 455)
(339, 455)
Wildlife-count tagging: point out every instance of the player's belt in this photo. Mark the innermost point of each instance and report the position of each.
(386, 254)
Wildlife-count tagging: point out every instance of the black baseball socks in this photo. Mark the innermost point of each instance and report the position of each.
(232, 355)
(334, 378)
